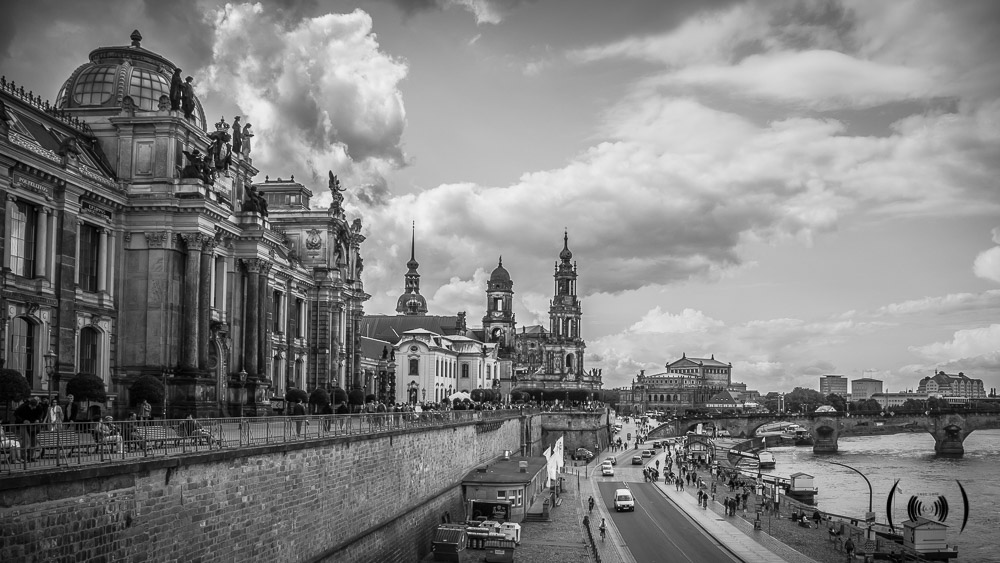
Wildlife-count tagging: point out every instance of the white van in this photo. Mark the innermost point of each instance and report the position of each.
(624, 500)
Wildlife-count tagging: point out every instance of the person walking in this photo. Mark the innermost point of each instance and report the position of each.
(849, 548)
(298, 411)
(145, 410)
(53, 415)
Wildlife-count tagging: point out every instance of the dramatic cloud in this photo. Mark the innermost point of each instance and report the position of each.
(987, 264)
(485, 11)
(319, 93)
(947, 304)
(968, 343)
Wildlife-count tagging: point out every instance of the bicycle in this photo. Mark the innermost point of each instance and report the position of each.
(591, 505)
(604, 532)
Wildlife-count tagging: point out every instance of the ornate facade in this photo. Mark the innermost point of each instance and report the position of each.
(135, 242)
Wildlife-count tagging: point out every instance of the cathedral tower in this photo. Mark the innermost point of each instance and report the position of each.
(411, 302)
(564, 348)
(498, 323)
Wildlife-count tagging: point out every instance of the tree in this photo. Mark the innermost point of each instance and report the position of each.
(13, 387)
(87, 387)
(519, 397)
(478, 395)
(319, 397)
(146, 387)
(801, 398)
(868, 405)
(339, 395)
(293, 395)
(837, 402)
(356, 398)
(912, 405)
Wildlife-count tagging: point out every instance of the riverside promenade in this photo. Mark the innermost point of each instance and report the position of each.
(564, 539)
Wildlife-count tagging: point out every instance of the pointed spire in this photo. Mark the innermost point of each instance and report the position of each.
(501, 261)
(413, 264)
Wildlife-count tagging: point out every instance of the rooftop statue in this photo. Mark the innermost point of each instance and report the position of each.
(222, 152)
(176, 86)
(335, 191)
(187, 97)
(255, 201)
(237, 136)
(245, 140)
(198, 167)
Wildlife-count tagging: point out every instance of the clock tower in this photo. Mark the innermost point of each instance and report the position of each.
(498, 324)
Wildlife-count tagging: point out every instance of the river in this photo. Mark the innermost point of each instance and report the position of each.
(910, 458)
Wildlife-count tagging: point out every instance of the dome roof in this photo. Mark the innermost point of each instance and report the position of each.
(116, 72)
(566, 255)
(411, 304)
(500, 274)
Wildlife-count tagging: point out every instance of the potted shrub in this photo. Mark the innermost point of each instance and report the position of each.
(318, 399)
(13, 388)
(356, 399)
(146, 387)
(87, 388)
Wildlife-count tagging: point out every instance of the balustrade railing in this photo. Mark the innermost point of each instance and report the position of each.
(32, 447)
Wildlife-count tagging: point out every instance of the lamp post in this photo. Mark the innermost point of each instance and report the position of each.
(166, 394)
(870, 515)
(242, 398)
(50, 358)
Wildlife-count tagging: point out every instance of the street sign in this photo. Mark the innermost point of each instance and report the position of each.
(869, 517)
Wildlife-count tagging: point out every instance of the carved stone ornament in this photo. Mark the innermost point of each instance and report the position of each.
(156, 239)
(315, 240)
(193, 241)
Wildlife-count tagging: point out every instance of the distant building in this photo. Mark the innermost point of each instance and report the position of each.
(833, 385)
(862, 389)
(897, 399)
(943, 384)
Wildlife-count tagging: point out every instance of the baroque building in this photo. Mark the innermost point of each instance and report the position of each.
(135, 242)
(435, 356)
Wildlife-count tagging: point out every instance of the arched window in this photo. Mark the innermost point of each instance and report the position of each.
(569, 361)
(22, 348)
(414, 366)
(90, 338)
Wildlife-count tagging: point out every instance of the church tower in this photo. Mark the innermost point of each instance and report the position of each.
(498, 323)
(411, 302)
(564, 347)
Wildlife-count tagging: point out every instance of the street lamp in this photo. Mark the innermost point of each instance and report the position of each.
(50, 358)
(166, 394)
(243, 381)
(870, 515)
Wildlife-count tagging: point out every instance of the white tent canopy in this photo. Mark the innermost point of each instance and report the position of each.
(460, 395)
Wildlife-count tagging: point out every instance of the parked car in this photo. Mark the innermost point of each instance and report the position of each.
(583, 454)
(637, 460)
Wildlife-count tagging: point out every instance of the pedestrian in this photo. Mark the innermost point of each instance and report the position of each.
(298, 411)
(53, 415)
(145, 410)
(71, 411)
(849, 548)
(27, 416)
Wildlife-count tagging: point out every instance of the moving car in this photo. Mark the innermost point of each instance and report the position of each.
(607, 469)
(583, 454)
(657, 444)
(611, 459)
(624, 500)
(637, 460)
(647, 453)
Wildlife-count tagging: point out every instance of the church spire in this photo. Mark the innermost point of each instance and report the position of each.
(411, 302)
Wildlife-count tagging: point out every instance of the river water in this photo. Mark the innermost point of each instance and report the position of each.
(910, 458)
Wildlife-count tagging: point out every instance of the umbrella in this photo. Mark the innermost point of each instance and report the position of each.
(461, 395)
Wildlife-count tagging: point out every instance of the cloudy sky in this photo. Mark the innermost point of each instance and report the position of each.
(799, 188)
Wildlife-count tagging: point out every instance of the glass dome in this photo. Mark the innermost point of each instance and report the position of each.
(116, 72)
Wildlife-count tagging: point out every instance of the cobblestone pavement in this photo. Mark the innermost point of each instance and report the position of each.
(560, 540)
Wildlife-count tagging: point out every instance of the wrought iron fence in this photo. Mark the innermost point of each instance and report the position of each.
(32, 447)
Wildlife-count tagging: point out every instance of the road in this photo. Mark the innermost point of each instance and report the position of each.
(657, 531)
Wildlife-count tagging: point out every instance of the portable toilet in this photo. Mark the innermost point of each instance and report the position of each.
(449, 543)
(511, 531)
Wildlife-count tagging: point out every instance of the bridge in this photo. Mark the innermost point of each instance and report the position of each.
(948, 428)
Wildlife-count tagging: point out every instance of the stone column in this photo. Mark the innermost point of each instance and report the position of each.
(76, 269)
(262, 302)
(251, 315)
(205, 297)
(42, 246)
(102, 261)
(192, 280)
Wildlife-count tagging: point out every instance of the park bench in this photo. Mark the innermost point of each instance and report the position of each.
(161, 436)
(65, 440)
